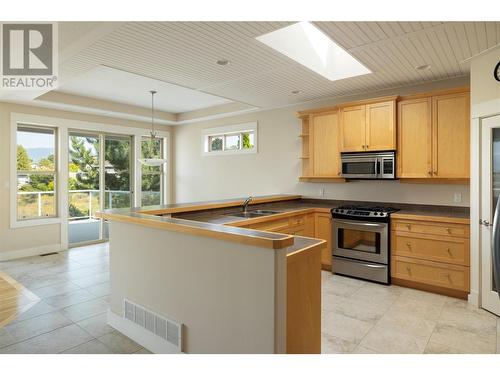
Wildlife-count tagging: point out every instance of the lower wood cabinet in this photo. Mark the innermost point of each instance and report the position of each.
(303, 303)
(431, 255)
(323, 230)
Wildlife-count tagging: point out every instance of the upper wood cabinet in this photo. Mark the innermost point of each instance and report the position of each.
(368, 127)
(321, 145)
(434, 137)
(353, 128)
(451, 136)
(324, 144)
(414, 138)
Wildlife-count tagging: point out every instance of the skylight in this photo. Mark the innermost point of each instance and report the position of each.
(306, 44)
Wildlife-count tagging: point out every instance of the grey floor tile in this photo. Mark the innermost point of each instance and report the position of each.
(70, 298)
(86, 309)
(335, 345)
(5, 338)
(362, 350)
(56, 289)
(100, 290)
(40, 308)
(87, 281)
(344, 327)
(50, 343)
(384, 340)
(464, 340)
(119, 343)
(36, 326)
(90, 347)
(143, 351)
(97, 325)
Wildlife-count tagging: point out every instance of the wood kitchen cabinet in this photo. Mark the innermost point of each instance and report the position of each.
(324, 144)
(368, 127)
(431, 254)
(451, 136)
(320, 144)
(434, 136)
(414, 150)
(353, 120)
(323, 230)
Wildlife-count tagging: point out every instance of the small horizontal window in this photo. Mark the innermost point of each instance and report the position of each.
(230, 139)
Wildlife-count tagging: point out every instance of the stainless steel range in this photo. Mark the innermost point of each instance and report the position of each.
(361, 242)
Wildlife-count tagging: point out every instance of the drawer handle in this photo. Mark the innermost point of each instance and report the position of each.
(448, 230)
(408, 226)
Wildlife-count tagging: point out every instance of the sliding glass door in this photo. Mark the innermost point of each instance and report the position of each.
(117, 174)
(100, 170)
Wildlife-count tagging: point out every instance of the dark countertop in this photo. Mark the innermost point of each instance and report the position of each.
(220, 216)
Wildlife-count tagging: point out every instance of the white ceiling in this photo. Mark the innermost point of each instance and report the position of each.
(185, 54)
(107, 83)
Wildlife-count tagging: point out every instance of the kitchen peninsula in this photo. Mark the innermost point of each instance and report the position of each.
(250, 281)
(228, 289)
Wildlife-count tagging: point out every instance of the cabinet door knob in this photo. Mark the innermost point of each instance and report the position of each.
(408, 226)
(408, 244)
(367, 146)
(449, 251)
(448, 230)
(429, 173)
(408, 269)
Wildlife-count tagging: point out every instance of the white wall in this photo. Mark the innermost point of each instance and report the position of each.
(276, 167)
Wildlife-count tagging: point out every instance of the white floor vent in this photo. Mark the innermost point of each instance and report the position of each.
(165, 329)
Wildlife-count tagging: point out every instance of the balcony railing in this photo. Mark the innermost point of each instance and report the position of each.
(82, 203)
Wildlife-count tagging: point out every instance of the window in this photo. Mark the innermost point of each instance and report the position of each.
(152, 180)
(36, 173)
(231, 139)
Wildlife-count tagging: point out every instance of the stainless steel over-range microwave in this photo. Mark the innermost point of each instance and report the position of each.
(369, 165)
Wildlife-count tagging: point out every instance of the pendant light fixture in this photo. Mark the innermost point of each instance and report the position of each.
(152, 162)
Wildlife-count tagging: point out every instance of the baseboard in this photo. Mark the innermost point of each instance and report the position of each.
(140, 335)
(473, 298)
(23, 253)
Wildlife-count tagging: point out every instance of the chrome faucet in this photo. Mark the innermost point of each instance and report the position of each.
(246, 202)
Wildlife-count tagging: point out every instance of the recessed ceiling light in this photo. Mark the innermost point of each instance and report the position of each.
(222, 62)
(309, 46)
(423, 67)
(294, 92)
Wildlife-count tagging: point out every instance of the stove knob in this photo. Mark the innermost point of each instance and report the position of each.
(375, 213)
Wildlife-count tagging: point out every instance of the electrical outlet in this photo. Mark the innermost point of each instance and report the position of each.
(457, 197)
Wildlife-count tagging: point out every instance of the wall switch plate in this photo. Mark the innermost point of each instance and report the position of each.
(457, 197)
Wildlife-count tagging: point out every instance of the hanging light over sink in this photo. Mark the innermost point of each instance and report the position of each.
(152, 162)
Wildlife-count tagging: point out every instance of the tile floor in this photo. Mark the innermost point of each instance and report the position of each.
(71, 316)
(362, 317)
(357, 316)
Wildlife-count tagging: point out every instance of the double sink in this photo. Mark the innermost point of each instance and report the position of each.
(253, 213)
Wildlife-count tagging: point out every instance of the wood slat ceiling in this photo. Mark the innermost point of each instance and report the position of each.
(184, 53)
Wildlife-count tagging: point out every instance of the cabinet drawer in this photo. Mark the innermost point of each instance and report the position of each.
(280, 225)
(424, 227)
(449, 250)
(431, 273)
(298, 221)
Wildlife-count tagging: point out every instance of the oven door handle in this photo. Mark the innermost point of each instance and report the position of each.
(372, 225)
